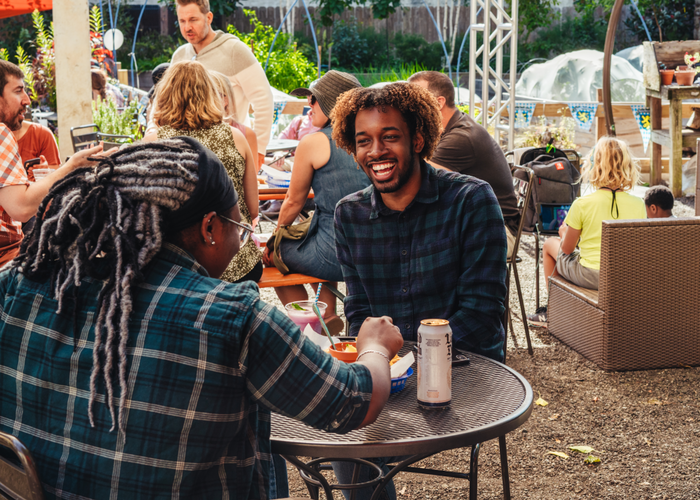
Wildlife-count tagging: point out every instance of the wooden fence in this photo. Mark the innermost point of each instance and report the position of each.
(415, 20)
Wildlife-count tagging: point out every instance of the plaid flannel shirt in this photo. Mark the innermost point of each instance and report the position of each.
(12, 173)
(207, 361)
(444, 257)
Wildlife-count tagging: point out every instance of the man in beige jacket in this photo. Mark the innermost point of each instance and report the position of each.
(226, 54)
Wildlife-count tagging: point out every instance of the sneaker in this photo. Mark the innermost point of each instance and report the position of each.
(539, 318)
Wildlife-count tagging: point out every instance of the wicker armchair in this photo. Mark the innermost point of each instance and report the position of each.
(646, 313)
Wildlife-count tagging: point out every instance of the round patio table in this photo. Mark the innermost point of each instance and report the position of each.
(489, 400)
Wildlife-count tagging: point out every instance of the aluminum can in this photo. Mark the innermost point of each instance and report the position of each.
(434, 364)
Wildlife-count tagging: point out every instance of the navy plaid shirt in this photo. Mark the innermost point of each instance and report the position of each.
(444, 257)
(207, 361)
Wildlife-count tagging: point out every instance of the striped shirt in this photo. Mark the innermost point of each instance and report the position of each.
(206, 363)
(12, 173)
(444, 257)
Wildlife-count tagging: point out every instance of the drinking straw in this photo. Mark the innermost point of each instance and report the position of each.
(314, 306)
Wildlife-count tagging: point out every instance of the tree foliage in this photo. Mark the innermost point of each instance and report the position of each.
(381, 9)
(286, 69)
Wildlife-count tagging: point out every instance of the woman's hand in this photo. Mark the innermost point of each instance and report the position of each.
(267, 257)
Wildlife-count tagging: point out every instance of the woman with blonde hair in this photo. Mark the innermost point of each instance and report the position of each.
(223, 84)
(576, 254)
(188, 104)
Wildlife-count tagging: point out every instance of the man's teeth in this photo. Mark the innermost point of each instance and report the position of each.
(382, 166)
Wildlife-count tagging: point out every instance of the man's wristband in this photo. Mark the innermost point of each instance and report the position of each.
(372, 351)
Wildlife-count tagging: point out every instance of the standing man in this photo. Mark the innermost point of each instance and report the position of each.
(19, 199)
(225, 53)
(467, 147)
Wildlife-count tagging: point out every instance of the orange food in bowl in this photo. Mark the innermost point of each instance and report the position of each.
(347, 351)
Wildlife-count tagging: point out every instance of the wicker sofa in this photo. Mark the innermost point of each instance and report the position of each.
(646, 313)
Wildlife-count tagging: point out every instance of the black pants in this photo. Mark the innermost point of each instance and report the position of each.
(254, 275)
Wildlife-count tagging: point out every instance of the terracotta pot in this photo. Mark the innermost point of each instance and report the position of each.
(666, 76)
(685, 77)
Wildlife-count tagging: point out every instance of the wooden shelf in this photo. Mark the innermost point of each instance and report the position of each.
(663, 137)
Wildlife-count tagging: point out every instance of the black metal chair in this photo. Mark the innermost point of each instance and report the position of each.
(523, 193)
(83, 136)
(18, 482)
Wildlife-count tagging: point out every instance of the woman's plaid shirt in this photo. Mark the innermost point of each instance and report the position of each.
(207, 362)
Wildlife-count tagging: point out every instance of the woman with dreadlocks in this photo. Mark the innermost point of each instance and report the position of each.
(188, 104)
(130, 370)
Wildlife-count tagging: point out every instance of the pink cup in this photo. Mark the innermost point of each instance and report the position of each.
(307, 316)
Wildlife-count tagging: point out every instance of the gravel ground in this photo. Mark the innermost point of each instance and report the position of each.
(642, 425)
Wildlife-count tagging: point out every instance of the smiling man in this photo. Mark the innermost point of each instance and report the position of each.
(420, 242)
(19, 199)
(225, 53)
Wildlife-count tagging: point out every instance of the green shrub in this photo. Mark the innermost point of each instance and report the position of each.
(152, 49)
(287, 69)
(412, 48)
(106, 116)
(675, 18)
(349, 48)
(574, 33)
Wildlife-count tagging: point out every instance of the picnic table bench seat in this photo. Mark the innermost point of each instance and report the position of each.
(272, 277)
(646, 312)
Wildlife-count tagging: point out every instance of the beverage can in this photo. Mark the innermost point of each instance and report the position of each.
(434, 364)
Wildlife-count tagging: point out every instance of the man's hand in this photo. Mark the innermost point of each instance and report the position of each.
(380, 334)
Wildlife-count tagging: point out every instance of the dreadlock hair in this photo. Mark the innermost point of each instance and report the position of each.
(105, 222)
(418, 106)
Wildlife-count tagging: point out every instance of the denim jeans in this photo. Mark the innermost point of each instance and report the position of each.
(279, 487)
(343, 471)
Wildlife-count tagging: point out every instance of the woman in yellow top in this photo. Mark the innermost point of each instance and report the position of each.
(613, 172)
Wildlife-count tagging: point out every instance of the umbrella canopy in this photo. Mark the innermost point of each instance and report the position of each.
(9, 8)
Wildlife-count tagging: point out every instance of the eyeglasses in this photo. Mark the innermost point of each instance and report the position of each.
(244, 230)
(311, 100)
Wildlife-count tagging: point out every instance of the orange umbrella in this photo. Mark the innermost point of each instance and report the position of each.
(9, 8)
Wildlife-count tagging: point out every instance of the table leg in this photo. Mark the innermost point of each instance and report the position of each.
(522, 309)
(313, 472)
(675, 115)
(473, 470)
(400, 467)
(537, 272)
(655, 151)
(504, 467)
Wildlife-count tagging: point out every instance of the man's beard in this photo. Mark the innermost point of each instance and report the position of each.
(404, 176)
(14, 123)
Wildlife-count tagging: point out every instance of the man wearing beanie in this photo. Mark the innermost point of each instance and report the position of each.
(129, 370)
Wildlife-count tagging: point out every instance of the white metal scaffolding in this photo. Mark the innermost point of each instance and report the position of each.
(499, 28)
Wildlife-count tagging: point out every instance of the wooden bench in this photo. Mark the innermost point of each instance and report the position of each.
(272, 277)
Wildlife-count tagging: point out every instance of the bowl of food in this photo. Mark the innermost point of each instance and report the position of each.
(344, 351)
(398, 383)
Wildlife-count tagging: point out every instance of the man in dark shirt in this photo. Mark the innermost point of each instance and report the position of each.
(467, 147)
(419, 243)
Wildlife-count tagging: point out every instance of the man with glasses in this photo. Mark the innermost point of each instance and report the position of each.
(130, 370)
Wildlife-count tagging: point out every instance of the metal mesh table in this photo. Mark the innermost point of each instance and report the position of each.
(488, 401)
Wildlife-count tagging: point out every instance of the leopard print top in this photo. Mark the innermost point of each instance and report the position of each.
(219, 140)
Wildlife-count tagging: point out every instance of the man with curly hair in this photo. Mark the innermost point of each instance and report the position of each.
(468, 148)
(420, 242)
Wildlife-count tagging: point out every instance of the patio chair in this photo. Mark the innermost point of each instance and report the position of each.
(644, 314)
(19, 480)
(114, 140)
(523, 192)
(521, 157)
(83, 136)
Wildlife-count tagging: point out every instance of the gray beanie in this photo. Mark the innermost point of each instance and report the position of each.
(328, 89)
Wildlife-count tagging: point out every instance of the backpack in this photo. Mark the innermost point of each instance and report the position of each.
(555, 181)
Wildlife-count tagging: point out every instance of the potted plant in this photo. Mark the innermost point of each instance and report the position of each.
(666, 74)
(685, 77)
